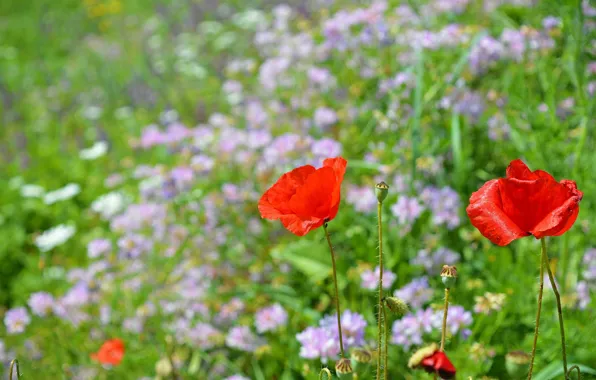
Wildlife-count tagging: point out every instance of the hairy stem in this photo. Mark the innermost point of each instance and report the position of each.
(380, 306)
(559, 310)
(445, 312)
(540, 290)
(385, 352)
(337, 307)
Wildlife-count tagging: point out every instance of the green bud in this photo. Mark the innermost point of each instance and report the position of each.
(381, 191)
(343, 369)
(361, 358)
(449, 276)
(325, 374)
(396, 306)
(516, 363)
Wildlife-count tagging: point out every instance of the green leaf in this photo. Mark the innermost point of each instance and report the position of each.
(309, 257)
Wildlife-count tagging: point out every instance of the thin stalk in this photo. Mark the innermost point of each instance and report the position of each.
(341, 341)
(14, 363)
(540, 291)
(559, 310)
(380, 305)
(385, 366)
(579, 373)
(445, 312)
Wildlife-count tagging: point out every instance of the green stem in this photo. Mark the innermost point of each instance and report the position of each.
(579, 374)
(385, 364)
(445, 312)
(540, 291)
(14, 363)
(341, 341)
(380, 305)
(559, 310)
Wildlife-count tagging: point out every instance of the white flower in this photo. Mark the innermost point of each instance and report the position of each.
(54, 237)
(98, 149)
(109, 205)
(32, 191)
(62, 194)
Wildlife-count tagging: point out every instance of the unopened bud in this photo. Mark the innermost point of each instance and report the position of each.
(361, 358)
(421, 354)
(381, 191)
(343, 369)
(396, 306)
(517, 363)
(449, 276)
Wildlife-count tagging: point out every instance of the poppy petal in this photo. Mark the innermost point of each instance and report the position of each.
(557, 222)
(338, 165)
(312, 199)
(486, 214)
(298, 226)
(275, 202)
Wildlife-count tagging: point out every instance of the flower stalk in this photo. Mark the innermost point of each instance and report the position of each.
(540, 291)
(14, 363)
(445, 312)
(337, 306)
(559, 310)
(381, 190)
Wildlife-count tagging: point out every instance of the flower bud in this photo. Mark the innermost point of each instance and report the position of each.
(361, 358)
(449, 276)
(422, 353)
(381, 191)
(517, 363)
(343, 369)
(325, 374)
(396, 306)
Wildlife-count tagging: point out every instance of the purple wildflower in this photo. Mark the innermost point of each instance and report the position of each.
(434, 261)
(318, 342)
(324, 117)
(41, 303)
(407, 210)
(416, 293)
(583, 295)
(407, 331)
(241, 338)
(270, 318)
(16, 320)
(204, 336)
(370, 279)
(98, 247)
(589, 261)
(444, 204)
(362, 198)
(326, 148)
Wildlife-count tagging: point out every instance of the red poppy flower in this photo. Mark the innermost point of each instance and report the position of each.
(111, 352)
(432, 360)
(524, 203)
(305, 198)
(440, 364)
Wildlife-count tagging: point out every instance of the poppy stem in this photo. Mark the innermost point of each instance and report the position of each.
(341, 341)
(445, 312)
(559, 310)
(386, 343)
(380, 308)
(540, 291)
(14, 363)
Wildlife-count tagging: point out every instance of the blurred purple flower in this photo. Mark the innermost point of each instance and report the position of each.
(444, 204)
(16, 320)
(326, 148)
(98, 247)
(370, 279)
(363, 198)
(407, 210)
(583, 295)
(41, 303)
(270, 318)
(434, 261)
(416, 293)
(324, 117)
(241, 338)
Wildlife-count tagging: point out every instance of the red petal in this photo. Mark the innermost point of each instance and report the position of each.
(275, 202)
(535, 205)
(338, 165)
(519, 170)
(486, 214)
(444, 366)
(299, 226)
(313, 198)
(558, 221)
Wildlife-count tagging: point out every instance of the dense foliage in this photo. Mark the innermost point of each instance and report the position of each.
(138, 136)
